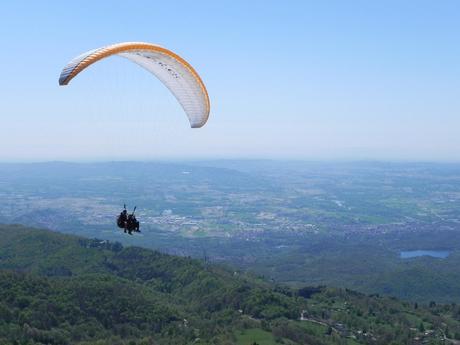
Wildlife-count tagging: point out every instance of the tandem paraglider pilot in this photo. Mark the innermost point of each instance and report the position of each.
(128, 222)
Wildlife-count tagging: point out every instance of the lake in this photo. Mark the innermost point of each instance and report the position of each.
(442, 254)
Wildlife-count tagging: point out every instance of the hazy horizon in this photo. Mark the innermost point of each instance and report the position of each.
(185, 160)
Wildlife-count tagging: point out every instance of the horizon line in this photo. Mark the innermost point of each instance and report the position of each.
(228, 159)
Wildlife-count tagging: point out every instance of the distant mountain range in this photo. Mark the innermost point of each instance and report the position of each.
(62, 289)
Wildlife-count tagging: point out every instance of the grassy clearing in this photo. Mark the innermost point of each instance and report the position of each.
(249, 336)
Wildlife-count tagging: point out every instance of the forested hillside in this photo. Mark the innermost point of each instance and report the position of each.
(60, 289)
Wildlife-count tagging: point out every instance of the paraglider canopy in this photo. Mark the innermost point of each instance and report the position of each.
(172, 70)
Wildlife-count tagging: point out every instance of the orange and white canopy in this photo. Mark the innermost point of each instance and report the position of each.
(173, 71)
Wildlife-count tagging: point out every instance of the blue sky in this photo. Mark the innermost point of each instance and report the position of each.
(292, 79)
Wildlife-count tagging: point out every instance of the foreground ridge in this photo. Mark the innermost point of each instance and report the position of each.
(62, 289)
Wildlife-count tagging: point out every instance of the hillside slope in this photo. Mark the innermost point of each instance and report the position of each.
(60, 289)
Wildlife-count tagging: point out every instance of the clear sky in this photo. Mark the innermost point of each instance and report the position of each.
(287, 79)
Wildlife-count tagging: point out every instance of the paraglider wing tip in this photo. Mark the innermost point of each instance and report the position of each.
(198, 124)
(63, 81)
